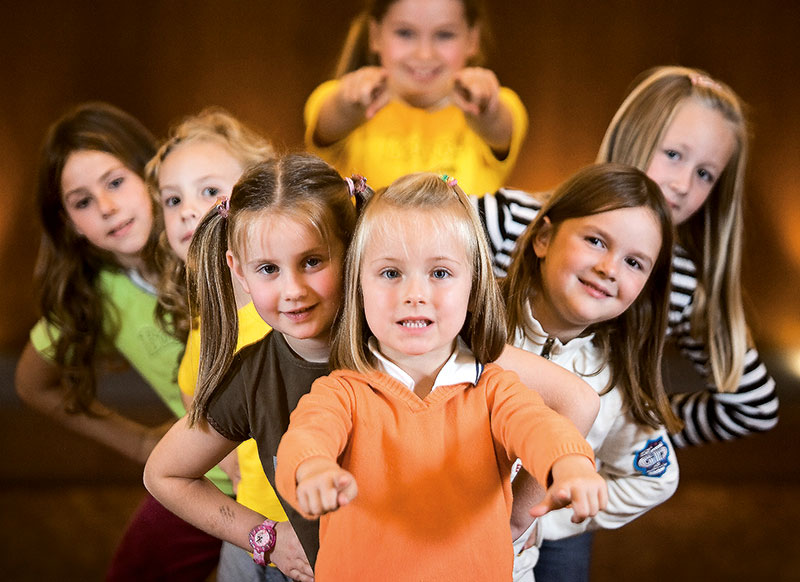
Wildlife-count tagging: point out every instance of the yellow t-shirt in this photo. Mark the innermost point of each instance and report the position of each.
(402, 139)
(254, 490)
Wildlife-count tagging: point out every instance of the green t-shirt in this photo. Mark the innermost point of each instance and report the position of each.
(151, 351)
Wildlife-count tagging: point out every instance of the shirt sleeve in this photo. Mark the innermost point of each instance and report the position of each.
(228, 409)
(527, 428)
(710, 415)
(519, 123)
(320, 427)
(641, 471)
(505, 214)
(43, 338)
(190, 364)
(311, 113)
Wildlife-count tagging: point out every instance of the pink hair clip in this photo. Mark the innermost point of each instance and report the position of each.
(449, 180)
(357, 184)
(704, 81)
(222, 206)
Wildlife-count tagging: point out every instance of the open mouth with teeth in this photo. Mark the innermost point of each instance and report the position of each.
(415, 323)
(299, 313)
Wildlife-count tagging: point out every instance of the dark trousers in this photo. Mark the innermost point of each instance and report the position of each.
(565, 560)
(159, 546)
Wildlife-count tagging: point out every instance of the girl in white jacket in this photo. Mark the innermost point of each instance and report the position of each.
(588, 289)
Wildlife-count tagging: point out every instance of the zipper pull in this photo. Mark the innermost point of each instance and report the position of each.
(547, 347)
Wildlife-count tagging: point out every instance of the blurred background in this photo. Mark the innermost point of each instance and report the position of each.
(64, 501)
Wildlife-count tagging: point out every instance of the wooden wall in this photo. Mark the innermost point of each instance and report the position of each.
(571, 61)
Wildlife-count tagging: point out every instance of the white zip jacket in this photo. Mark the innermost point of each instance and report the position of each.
(637, 461)
(708, 415)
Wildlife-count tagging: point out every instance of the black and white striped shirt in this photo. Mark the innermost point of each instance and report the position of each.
(709, 415)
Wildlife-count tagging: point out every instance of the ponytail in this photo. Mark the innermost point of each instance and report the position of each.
(211, 294)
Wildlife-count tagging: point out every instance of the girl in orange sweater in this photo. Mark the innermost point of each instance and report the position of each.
(416, 432)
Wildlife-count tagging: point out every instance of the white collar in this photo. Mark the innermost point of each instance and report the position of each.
(137, 279)
(461, 367)
(532, 334)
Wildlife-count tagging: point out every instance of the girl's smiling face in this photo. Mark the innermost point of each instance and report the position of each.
(107, 203)
(422, 44)
(294, 278)
(593, 268)
(695, 149)
(191, 178)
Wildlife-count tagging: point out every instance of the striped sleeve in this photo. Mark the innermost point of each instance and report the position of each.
(504, 215)
(710, 415)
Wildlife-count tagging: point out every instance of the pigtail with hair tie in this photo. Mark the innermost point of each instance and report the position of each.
(453, 183)
(359, 191)
(222, 207)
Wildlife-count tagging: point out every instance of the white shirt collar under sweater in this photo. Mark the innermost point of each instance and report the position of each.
(460, 367)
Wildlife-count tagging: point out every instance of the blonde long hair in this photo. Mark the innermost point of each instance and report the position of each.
(244, 144)
(484, 329)
(713, 236)
(633, 342)
(298, 186)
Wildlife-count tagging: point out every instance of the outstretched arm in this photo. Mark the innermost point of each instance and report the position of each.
(174, 475)
(560, 389)
(38, 383)
(477, 93)
(358, 97)
(577, 484)
(323, 486)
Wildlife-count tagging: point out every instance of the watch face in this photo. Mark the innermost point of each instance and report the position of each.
(264, 537)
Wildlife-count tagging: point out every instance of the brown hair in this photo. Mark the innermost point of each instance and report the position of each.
(633, 342)
(298, 186)
(483, 331)
(68, 265)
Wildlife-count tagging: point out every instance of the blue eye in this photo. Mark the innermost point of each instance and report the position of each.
(211, 192)
(171, 201)
(390, 273)
(440, 273)
(672, 154)
(313, 262)
(705, 175)
(116, 183)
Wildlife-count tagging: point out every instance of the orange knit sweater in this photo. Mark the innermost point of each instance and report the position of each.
(434, 496)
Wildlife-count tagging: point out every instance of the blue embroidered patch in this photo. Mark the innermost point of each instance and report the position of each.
(653, 459)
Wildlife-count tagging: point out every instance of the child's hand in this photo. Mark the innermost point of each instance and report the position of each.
(289, 556)
(577, 484)
(476, 91)
(323, 486)
(366, 89)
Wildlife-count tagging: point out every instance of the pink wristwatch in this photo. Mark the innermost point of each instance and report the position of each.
(262, 540)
